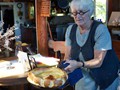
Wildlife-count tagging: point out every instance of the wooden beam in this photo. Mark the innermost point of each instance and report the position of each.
(41, 29)
(16, 0)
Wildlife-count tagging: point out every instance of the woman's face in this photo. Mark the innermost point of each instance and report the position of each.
(80, 16)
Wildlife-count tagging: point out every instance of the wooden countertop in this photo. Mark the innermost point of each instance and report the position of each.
(9, 58)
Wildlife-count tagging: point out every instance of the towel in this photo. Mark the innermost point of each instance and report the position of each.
(73, 77)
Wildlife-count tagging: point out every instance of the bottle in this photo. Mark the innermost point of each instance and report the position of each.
(7, 53)
(30, 51)
(18, 47)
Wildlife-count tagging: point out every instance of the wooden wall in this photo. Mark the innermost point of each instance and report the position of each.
(116, 46)
(113, 5)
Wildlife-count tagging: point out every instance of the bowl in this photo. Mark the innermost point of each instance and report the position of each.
(47, 77)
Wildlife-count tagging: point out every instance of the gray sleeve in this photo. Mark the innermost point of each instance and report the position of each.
(102, 38)
(67, 36)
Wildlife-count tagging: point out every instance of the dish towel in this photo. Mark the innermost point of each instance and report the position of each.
(73, 77)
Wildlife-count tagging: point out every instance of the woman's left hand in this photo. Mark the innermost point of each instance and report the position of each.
(73, 64)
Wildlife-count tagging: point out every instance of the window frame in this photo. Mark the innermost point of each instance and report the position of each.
(106, 20)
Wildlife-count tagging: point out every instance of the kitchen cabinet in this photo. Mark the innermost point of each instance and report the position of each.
(28, 35)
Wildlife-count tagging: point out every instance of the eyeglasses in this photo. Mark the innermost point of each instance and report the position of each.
(80, 13)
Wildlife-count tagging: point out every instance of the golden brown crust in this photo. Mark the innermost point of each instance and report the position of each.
(46, 83)
(33, 78)
(48, 77)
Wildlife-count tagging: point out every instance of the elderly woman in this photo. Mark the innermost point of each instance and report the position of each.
(88, 46)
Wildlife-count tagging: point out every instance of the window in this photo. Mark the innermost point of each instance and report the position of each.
(101, 10)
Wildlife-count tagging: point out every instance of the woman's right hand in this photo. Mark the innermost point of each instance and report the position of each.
(73, 64)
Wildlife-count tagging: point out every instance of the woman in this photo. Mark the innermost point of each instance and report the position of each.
(88, 46)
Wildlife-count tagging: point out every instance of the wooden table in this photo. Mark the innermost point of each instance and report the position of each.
(14, 82)
(19, 82)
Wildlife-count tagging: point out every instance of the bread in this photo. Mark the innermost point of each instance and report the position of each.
(50, 77)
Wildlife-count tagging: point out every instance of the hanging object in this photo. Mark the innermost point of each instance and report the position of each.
(45, 8)
(20, 13)
(63, 4)
(19, 5)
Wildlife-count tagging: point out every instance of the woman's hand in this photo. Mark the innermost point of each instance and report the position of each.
(73, 64)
